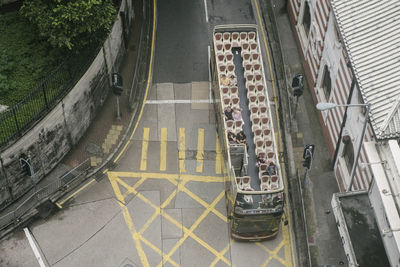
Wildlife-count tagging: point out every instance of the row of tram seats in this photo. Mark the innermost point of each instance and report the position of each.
(260, 116)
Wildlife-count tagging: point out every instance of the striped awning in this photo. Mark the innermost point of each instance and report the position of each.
(371, 33)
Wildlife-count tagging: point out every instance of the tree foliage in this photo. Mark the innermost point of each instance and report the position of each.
(71, 23)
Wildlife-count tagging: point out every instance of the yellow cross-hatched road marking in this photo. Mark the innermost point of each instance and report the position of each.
(182, 148)
(200, 150)
(178, 180)
(145, 145)
(163, 149)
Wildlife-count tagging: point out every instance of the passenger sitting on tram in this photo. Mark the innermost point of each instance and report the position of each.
(237, 114)
(261, 160)
(271, 169)
(232, 138)
(232, 80)
(228, 113)
(241, 137)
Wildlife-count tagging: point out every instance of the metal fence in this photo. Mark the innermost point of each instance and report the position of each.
(71, 178)
(18, 119)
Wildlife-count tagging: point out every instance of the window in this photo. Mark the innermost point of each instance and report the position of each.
(326, 83)
(306, 18)
(348, 152)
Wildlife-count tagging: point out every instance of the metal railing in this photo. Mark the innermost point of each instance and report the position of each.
(67, 180)
(19, 118)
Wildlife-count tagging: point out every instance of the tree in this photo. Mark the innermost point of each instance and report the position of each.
(71, 23)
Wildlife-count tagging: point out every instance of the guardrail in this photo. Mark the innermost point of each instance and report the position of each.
(67, 180)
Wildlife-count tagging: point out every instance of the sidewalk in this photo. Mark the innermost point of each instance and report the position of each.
(323, 237)
(102, 138)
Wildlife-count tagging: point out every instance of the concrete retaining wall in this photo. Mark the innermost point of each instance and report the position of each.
(52, 138)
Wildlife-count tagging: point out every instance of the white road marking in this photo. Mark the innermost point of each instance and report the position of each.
(205, 7)
(178, 101)
(34, 248)
(209, 73)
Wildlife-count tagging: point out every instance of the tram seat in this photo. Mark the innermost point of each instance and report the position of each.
(267, 142)
(266, 130)
(247, 65)
(243, 36)
(229, 125)
(256, 66)
(250, 86)
(246, 181)
(261, 152)
(274, 178)
(260, 87)
(226, 100)
(270, 154)
(253, 108)
(246, 62)
(273, 186)
(231, 68)
(249, 75)
(221, 56)
(254, 55)
(261, 97)
(258, 141)
(262, 108)
(245, 55)
(222, 67)
(228, 56)
(239, 181)
(264, 119)
(255, 119)
(227, 36)
(235, 39)
(218, 36)
(219, 46)
(225, 89)
(256, 129)
(252, 98)
(245, 45)
(252, 36)
(238, 123)
(235, 100)
(234, 89)
(253, 46)
(258, 76)
(227, 46)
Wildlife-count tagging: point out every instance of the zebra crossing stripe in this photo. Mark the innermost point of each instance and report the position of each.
(200, 150)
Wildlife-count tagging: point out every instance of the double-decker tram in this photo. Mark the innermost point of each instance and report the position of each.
(254, 184)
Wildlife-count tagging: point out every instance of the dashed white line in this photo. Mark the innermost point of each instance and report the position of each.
(205, 7)
(34, 248)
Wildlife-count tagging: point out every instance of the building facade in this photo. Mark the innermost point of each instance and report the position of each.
(350, 56)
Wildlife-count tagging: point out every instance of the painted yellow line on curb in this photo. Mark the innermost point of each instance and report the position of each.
(147, 85)
(145, 145)
(182, 148)
(219, 159)
(59, 204)
(163, 149)
(292, 262)
(200, 150)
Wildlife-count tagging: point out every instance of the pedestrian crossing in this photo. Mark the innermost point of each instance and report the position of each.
(198, 151)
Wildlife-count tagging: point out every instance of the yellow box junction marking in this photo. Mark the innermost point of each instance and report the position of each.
(182, 148)
(163, 149)
(145, 145)
(179, 181)
(200, 150)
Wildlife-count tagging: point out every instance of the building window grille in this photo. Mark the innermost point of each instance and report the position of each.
(348, 152)
(307, 18)
(326, 83)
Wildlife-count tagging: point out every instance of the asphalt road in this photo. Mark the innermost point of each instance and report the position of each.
(164, 202)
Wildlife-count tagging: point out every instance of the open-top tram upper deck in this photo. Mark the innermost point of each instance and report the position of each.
(253, 166)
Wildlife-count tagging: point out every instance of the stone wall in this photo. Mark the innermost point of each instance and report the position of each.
(52, 138)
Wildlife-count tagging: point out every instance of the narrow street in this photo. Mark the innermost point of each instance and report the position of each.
(164, 202)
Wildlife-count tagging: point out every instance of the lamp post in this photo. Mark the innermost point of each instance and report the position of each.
(325, 106)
